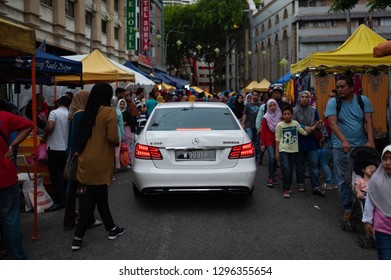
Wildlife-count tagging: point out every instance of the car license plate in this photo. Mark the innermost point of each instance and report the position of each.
(195, 155)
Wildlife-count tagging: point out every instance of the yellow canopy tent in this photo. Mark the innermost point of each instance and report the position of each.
(356, 54)
(262, 86)
(18, 40)
(167, 87)
(197, 89)
(96, 67)
(250, 87)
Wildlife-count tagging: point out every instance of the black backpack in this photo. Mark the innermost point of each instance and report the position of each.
(359, 100)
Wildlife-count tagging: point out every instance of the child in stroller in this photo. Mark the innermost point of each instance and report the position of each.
(363, 164)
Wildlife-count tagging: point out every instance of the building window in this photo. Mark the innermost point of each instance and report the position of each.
(88, 18)
(116, 32)
(70, 8)
(116, 5)
(104, 26)
(47, 2)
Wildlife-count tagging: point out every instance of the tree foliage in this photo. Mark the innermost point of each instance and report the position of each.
(205, 23)
(344, 5)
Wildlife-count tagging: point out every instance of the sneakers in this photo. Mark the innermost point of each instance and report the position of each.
(286, 194)
(275, 182)
(270, 183)
(346, 217)
(319, 192)
(76, 244)
(115, 232)
(301, 188)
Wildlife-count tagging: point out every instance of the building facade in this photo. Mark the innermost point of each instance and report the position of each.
(284, 32)
(80, 26)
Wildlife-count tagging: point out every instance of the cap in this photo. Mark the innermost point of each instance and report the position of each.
(278, 87)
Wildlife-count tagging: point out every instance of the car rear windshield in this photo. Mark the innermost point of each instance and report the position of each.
(192, 118)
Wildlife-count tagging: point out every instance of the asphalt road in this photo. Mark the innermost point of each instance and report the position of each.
(264, 226)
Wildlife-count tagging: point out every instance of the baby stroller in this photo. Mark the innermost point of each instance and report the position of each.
(359, 158)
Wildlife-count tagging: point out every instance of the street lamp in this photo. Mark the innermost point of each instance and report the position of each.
(217, 51)
(179, 43)
(198, 47)
(166, 41)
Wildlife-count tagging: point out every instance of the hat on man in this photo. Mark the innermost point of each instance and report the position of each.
(278, 87)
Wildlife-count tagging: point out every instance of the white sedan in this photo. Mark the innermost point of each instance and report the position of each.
(197, 146)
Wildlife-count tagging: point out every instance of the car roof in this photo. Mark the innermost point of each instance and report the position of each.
(195, 104)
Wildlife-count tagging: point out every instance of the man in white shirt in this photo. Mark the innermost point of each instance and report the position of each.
(56, 139)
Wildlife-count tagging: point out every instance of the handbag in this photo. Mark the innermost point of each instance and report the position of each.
(318, 135)
(70, 169)
(42, 154)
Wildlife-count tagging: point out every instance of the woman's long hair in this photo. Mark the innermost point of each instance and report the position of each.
(100, 95)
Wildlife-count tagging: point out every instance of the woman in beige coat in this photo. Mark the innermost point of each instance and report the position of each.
(98, 137)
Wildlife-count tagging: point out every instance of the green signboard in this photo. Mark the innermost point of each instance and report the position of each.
(130, 24)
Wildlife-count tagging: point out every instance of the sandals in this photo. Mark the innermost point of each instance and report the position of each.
(319, 192)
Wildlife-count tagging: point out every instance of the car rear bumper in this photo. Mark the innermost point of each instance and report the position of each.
(238, 179)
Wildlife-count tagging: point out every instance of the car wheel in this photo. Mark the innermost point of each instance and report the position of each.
(136, 192)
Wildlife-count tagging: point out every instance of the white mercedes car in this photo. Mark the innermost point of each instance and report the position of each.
(197, 146)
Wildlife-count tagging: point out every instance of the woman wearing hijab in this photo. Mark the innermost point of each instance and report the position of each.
(128, 121)
(377, 211)
(98, 131)
(307, 116)
(238, 106)
(76, 111)
(268, 137)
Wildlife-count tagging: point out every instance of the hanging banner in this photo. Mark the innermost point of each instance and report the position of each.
(130, 24)
(145, 25)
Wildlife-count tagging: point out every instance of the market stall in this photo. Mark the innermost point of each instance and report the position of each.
(18, 40)
(96, 68)
(354, 57)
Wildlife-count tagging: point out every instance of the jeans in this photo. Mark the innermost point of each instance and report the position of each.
(56, 166)
(254, 136)
(10, 223)
(312, 158)
(325, 161)
(272, 161)
(287, 161)
(95, 195)
(383, 245)
(341, 161)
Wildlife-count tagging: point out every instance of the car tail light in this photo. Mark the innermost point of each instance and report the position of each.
(242, 151)
(147, 152)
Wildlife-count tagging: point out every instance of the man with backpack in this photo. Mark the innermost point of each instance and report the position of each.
(350, 119)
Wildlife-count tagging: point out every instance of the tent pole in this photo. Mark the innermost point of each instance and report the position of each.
(34, 112)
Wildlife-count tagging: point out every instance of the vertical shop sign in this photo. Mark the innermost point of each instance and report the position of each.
(145, 33)
(130, 24)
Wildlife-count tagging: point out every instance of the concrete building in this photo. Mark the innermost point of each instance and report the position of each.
(79, 26)
(282, 32)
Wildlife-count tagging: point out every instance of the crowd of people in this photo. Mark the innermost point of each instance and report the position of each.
(295, 138)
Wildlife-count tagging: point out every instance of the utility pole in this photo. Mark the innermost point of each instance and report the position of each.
(348, 21)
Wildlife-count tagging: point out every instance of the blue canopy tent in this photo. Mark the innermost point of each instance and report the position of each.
(284, 79)
(138, 70)
(172, 81)
(18, 69)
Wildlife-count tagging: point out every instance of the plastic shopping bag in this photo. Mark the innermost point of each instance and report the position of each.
(44, 201)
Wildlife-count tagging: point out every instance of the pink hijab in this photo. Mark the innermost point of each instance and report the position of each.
(272, 119)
